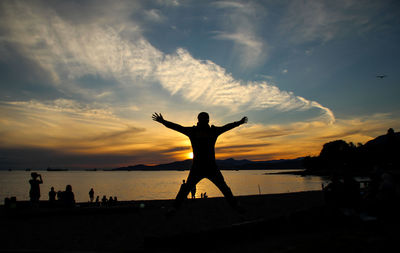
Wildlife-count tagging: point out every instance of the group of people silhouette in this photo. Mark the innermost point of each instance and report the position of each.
(104, 201)
(193, 191)
(378, 197)
(65, 198)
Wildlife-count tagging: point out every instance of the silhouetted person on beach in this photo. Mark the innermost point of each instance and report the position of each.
(59, 195)
(52, 195)
(91, 195)
(193, 192)
(183, 183)
(34, 192)
(68, 197)
(104, 201)
(203, 138)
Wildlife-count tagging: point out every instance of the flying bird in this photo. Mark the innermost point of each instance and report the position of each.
(381, 76)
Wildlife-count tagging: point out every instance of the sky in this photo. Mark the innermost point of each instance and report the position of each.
(79, 80)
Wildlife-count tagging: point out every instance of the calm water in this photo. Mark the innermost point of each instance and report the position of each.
(141, 185)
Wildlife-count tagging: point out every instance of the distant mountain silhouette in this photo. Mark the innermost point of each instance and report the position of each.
(180, 165)
(228, 164)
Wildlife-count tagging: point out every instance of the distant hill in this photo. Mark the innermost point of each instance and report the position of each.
(339, 157)
(383, 140)
(228, 164)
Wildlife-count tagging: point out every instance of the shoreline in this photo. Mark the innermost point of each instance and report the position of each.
(24, 208)
(287, 222)
(130, 227)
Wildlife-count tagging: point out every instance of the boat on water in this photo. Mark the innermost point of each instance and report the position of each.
(53, 169)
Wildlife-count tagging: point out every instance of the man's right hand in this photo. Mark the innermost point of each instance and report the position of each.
(158, 117)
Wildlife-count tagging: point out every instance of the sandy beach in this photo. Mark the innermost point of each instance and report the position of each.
(292, 222)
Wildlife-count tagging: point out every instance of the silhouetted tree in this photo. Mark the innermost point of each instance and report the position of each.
(342, 157)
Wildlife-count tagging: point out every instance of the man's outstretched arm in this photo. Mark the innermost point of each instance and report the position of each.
(229, 126)
(159, 118)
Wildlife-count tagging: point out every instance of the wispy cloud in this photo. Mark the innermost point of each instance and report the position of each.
(206, 83)
(251, 50)
(242, 39)
(239, 24)
(241, 148)
(230, 4)
(114, 136)
(70, 52)
(64, 124)
(154, 15)
(169, 2)
(316, 20)
(67, 106)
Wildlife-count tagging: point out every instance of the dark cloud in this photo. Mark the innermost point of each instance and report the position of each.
(23, 78)
(175, 149)
(255, 157)
(42, 158)
(268, 133)
(247, 147)
(118, 135)
(341, 134)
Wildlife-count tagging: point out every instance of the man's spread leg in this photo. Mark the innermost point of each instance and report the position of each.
(217, 178)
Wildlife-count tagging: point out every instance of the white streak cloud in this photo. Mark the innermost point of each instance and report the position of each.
(154, 15)
(67, 106)
(239, 25)
(71, 51)
(207, 83)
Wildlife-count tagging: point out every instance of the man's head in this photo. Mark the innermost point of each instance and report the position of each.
(203, 118)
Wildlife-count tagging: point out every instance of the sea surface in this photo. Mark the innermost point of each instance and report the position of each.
(150, 185)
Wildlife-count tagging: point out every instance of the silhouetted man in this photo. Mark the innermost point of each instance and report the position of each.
(34, 192)
(91, 194)
(68, 197)
(203, 138)
(193, 192)
(52, 195)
